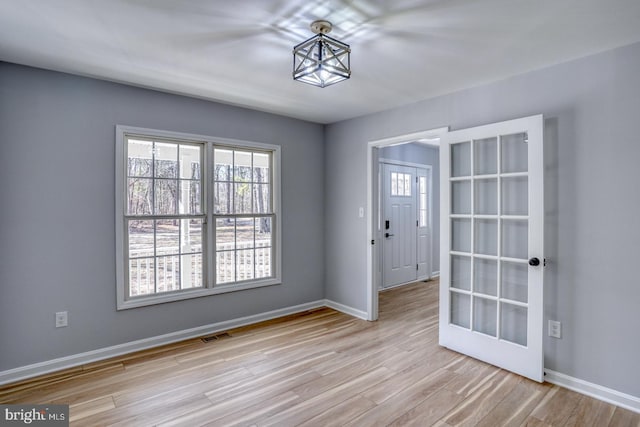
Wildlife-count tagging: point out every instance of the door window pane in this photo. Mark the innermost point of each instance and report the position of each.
(514, 280)
(515, 196)
(460, 309)
(485, 314)
(461, 272)
(461, 159)
(485, 152)
(515, 243)
(485, 276)
(461, 197)
(513, 323)
(486, 197)
(486, 236)
(461, 235)
(514, 153)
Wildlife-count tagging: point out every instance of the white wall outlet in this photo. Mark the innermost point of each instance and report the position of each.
(555, 329)
(62, 319)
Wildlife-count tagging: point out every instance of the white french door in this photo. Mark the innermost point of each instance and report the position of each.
(492, 224)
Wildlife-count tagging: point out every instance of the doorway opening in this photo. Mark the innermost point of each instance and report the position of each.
(376, 223)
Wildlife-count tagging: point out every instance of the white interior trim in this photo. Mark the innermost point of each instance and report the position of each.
(74, 360)
(596, 391)
(48, 366)
(403, 163)
(346, 309)
(430, 136)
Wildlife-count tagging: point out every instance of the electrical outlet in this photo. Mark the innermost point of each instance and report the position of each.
(61, 319)
(555, 329)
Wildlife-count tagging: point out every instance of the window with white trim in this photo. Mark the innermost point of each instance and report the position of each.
(182, 235)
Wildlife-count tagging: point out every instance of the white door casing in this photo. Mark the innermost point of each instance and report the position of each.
(492, 225)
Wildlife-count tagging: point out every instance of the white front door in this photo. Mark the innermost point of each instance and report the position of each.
(399, 225)
(492, 214)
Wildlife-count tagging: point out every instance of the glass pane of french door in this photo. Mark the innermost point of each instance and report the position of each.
(489, 184)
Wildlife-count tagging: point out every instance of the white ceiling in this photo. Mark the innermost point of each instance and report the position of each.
(240, 52)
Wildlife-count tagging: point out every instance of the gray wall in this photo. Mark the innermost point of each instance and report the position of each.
(57, 244)
(430, 156)
(592, 151)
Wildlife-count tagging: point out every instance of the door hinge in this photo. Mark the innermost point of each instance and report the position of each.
(417, 267)
(417, 223)
(373, 242)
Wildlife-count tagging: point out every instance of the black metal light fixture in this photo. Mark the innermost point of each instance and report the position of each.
(321, 60)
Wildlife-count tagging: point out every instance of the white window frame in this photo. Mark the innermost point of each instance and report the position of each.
(209, 286)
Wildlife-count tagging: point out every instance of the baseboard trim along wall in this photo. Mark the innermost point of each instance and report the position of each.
(596, 391)
(346, 309)
(435, 274)
(46, 367)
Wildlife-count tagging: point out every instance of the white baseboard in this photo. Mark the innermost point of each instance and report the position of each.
(596, 391)
(435, 274)
(41, 368)
(346, 309)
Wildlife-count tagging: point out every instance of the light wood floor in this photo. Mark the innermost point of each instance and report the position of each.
(320, 368)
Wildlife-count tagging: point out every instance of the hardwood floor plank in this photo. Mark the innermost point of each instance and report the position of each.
(340, 414)
(591, 412)
(82, 410)
(316, 368)
(557, 406)
(430, 410)
(258, 411)
(517, 405)
(323, 402)
(624, 418)
(398, 404)
(531, 421)
(482, 399)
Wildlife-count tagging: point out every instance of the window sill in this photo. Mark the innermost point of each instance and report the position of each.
(195, 293)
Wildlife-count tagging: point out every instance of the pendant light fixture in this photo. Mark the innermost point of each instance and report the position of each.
(321, 60)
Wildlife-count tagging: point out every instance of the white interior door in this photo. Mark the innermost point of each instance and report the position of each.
(399, 225)
(492, 213)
